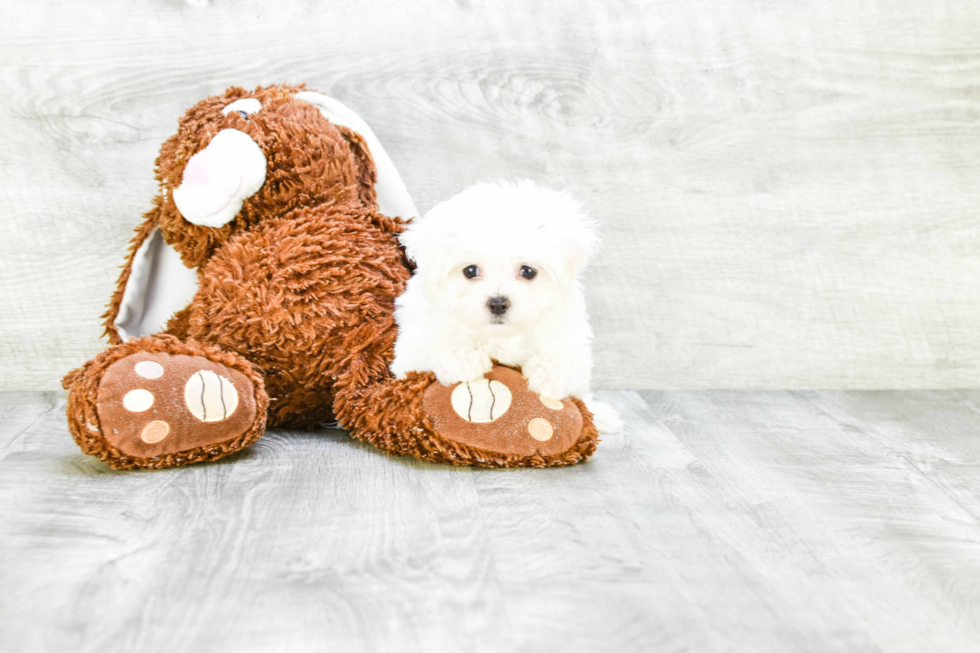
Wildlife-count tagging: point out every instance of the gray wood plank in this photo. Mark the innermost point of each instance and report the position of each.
(936, 433)
(854, 534)
(718, 521)
(789, 189)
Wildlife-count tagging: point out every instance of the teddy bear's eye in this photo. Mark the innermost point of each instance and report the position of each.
(471, 272)
(528, 272)
(244, 107)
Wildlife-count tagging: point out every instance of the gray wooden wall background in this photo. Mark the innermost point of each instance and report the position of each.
(789, 188)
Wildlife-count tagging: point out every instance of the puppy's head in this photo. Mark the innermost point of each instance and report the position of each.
(501, 254)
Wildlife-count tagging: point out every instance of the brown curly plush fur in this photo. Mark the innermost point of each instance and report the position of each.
(297, 293)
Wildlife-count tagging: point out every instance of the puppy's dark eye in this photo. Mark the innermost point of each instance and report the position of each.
(471, 272)
(243, 115)
(528, 272)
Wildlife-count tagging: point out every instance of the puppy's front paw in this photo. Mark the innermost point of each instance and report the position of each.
(462, 366)
(550, 381)
(398, 369)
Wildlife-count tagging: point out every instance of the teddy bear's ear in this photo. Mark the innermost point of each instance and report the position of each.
(153, 284)
(392, 196)
(358, 143)
(147, 227)
(369, 174)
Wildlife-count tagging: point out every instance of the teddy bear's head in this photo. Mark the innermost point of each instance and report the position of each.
(246, 156)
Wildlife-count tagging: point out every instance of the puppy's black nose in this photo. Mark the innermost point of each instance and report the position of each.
(498, 305)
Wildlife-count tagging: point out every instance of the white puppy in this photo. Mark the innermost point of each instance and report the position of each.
(497, 277)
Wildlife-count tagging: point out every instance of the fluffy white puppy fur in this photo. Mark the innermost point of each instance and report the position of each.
(497, 277)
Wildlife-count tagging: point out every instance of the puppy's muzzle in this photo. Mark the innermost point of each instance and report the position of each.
(498, 305)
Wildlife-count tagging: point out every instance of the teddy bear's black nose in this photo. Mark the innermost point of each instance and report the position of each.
(498, 305)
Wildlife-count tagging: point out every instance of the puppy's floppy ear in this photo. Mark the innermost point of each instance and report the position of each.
(433, 241)
(423, 241)
(410, 240)
(579, 237)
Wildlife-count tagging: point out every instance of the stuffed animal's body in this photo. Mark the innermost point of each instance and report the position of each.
(272, 209)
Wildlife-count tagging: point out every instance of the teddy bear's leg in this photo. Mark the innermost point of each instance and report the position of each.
(494, 422)
(162, 402)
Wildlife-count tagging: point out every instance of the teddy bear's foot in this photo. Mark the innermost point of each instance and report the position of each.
(160, 402)
(498, 421)
(493, 422)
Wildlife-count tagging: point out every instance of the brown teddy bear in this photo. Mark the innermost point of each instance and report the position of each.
(267, 230)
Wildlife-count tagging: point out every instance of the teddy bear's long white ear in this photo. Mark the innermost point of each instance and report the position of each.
(159, 285)
(393, 197)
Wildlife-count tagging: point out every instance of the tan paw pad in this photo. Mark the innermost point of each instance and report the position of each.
(210, 397)
(138, 401)
(155, 431)
(540, 429)
(551, 402)
(149, 369)
(481, 401)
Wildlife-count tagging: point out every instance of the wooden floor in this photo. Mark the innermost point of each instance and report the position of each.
(720, 521)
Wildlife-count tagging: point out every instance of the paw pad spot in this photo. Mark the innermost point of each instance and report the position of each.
(540, 429)
(149, 369)
(481, 401)
(210, 397)
(551, 402)
(136, 401)
(155, 431)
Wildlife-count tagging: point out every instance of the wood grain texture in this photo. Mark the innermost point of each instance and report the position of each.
(788, 188)
(718, 521)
